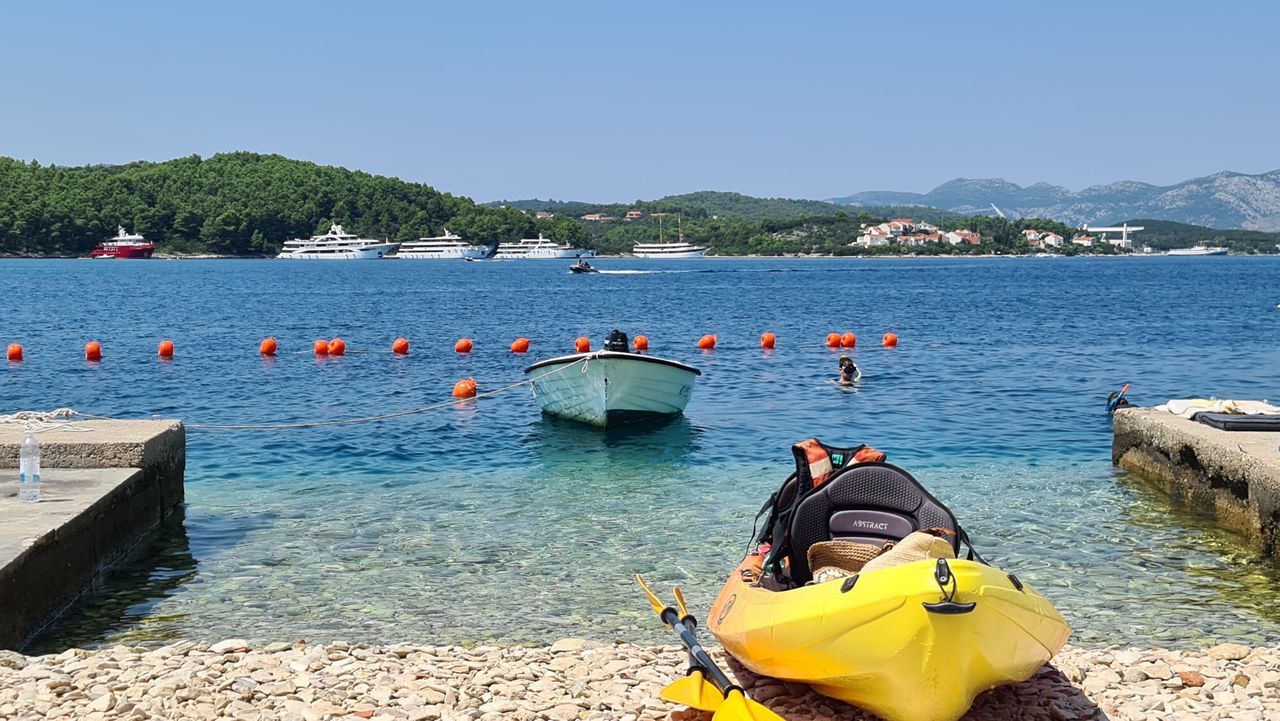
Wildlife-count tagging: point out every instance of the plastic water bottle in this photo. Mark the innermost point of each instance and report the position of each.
(29, 469)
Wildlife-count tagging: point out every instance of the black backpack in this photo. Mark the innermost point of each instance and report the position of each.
(845, 493)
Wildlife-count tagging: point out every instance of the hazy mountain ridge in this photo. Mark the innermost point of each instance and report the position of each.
(1222, 200)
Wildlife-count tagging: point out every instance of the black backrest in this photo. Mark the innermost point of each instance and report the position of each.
(868, 503)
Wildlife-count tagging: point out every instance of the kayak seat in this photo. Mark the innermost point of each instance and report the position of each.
(868, 503)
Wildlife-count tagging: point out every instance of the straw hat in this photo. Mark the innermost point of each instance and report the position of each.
(838, 559)
(917, 546)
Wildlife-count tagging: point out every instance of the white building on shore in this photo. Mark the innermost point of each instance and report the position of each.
(961, 237)
(874, 235)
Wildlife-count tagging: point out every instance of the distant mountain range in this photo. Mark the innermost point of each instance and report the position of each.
(1223, 200)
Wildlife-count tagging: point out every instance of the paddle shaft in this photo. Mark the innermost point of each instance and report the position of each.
(696, 652)
(691, 623)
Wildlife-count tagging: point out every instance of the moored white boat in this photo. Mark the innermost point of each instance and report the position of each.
(1199, 250)
(337, 244)
(612, 387)
(539, 249)
(444, 247)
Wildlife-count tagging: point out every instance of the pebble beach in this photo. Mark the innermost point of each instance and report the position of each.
(575, 679)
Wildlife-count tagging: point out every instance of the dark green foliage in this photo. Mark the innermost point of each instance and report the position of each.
(1166, 234)
(712, 204)
(233, 203)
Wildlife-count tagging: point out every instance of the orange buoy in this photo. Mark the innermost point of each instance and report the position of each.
(322, 347)
(268, 346)
(463, 346)
(520, 345)
(337, 346)
(165, 350)
(400, 346)
(890, 340)
(707, 342)
(582, 344)
(767, 340)
(14, 352)
(848, 340)
(93, 351)
(465, 388)
(833, 340)
(640, 342)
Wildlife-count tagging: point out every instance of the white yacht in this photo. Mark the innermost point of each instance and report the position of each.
(663, 249)
(540, 248)
(1199, 250)
(337, 244)
(444, 247)
(679, 249)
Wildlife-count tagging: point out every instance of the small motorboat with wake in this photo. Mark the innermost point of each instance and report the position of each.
(613, 386)
(582, 266)
(857, 587)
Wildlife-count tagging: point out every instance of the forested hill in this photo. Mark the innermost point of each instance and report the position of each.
(232, 203)
(714, 204)
(703, 204)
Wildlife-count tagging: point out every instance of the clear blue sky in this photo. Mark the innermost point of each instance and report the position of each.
(618, 101)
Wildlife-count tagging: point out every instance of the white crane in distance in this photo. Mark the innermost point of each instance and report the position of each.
(1124, 231)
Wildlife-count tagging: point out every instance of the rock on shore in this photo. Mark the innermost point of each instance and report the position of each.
(573, 679)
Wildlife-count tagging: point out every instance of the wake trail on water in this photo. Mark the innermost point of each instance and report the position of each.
(666, 271)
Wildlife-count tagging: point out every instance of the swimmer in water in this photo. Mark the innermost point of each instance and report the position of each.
(849, 371)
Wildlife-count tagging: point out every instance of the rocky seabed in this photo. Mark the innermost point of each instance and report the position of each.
(573, 679)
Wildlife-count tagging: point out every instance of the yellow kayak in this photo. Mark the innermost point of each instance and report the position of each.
(909, 641)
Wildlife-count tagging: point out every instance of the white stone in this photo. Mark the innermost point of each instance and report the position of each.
(1228, 652)
(231, 645)
(103, 703)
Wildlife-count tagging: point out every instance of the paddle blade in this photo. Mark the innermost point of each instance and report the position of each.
(694, 691)
(658, 605)
(737, 707)
(680, 603)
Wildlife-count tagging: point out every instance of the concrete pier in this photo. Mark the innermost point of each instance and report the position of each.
(105, 485)
(1233, 475)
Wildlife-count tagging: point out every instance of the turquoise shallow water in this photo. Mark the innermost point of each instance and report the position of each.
(485, 522)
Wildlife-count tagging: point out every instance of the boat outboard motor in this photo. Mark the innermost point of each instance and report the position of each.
(617, 342)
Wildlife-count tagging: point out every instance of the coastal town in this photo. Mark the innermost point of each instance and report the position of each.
(909, 233)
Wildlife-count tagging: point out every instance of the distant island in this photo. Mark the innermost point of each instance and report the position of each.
(248, 204)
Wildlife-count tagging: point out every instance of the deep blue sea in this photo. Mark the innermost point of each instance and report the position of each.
(484, 522)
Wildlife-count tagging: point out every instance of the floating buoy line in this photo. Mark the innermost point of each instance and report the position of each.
(93, 350)
(464, 390)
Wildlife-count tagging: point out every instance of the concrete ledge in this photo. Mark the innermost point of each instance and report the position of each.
(1233, 475)
(102, 444)
(88, 518)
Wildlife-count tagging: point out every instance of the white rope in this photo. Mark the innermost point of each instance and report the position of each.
(60, 418)
(354, 421)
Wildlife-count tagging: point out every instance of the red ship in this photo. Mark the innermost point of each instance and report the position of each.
(124, 245)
